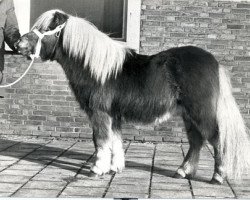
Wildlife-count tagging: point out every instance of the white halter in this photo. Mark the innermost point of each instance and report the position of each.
(41, 36)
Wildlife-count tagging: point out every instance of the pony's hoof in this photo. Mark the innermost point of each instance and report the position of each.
(93, 174)
(118, 164)
(217, 179)
(112, 172)
(215, 182)
(100, 172)
(116, 169)
(189, 176)
(178, 176)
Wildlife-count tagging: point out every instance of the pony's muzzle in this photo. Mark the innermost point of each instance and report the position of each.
(22, 46)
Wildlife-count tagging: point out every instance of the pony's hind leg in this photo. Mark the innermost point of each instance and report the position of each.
(102, 136)
(190, 164)
(219, 175)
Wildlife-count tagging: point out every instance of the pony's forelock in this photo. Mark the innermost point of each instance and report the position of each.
(45, 19)
(103, 56)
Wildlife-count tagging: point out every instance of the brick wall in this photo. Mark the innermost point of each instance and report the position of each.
(43, 105)
(220, 27)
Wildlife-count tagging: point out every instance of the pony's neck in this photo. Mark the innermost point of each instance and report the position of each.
(73, 69)
(102, 55)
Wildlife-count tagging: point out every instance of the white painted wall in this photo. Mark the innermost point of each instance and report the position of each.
(22, 8)
(133, 24)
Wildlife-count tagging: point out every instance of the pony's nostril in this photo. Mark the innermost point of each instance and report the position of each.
(16, 44)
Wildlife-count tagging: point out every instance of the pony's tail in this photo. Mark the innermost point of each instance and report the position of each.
(234, 141)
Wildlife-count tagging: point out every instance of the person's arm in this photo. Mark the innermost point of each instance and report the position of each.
(11, 29)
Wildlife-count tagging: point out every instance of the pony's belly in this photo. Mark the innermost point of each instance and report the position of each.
(165, 117)
(154, 121)
(147, 117)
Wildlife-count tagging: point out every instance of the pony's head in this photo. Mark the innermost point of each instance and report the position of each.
(47, 22)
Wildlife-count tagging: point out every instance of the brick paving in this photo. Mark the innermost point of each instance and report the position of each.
(35, 167)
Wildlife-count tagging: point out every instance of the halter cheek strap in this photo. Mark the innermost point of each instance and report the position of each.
(41, 36)
(38, 45)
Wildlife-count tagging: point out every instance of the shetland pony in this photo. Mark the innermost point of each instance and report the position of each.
(113, 83)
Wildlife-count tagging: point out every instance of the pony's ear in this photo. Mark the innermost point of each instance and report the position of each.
(59, 18)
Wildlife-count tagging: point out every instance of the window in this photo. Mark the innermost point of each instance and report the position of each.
(108, 15)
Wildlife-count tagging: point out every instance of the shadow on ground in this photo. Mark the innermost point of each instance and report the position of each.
(46, 155)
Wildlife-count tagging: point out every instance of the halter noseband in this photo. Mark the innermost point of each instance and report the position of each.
(40, 35)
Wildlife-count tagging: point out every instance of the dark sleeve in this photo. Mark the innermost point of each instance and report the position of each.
(11, 30)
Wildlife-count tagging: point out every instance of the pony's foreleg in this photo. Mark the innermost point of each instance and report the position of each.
(118, 158)
(102, 136)
(190, 164)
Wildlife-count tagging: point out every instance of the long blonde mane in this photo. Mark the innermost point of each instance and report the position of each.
(45, 19)
(82, 40)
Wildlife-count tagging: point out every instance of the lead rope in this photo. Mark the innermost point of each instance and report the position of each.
(21, 77)
(37, 53)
